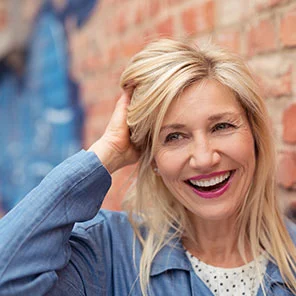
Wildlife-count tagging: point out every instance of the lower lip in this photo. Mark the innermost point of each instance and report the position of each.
(214, 194)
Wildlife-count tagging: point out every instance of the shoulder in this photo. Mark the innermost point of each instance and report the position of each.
(106, 218)
(108, 235)
(107, 225)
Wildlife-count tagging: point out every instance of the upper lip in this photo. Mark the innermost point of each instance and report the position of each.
(208, 176)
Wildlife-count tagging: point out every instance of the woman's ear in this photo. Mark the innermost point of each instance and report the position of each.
(154, 167)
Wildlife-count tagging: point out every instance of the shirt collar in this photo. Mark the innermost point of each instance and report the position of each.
(272, 271)
(273, 274)
(171, 256)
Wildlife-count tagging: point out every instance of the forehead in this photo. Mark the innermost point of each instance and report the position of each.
(205, 99)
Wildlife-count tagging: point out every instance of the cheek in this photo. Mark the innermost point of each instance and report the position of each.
(243, 150)
(170, 164)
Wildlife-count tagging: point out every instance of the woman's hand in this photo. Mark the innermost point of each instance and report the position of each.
(114, 148)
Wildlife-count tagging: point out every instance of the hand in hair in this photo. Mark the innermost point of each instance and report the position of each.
(114, 148)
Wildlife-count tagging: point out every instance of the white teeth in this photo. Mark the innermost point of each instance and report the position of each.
(210, 182)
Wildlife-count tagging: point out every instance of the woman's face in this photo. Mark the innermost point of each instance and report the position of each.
(205, 151)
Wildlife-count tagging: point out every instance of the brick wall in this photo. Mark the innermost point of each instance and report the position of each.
(263, 31)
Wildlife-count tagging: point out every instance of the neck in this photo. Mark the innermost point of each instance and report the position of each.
(215, 243)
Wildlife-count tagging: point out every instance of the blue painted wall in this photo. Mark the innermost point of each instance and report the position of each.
(41, 116)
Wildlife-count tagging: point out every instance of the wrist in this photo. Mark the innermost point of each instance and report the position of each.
(108, 157)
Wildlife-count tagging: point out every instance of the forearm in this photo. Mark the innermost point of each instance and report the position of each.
(34, 235)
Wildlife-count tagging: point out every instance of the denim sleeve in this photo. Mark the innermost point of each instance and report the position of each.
(35, 249)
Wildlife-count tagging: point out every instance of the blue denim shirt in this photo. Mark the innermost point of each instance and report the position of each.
(42, 254)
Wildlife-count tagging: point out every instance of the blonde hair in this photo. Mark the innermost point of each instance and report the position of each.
(159, 74)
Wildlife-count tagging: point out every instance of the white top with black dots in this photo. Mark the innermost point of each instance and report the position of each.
(230, 281)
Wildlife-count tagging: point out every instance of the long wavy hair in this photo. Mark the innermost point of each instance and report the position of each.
(159, 74)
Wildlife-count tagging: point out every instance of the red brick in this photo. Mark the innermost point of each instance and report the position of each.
(96, 89)
(154, 7)
(92, 134)
(89, 136)
(114, 53)
(262, 38)
(121, 181)
(289, 125)
(150, 34)
(288, 29)
(139, 13)
(102, 108)
(89, 86)
(3, 19)
(276, 2)
(118, 23)
(92, 63)
(132, 46)
(229, 39)
(287, 170)
(97, 125)
(174, 2)
(276, 86)
(121, 22)
(166, 27)
(110, 2)
(231, 12)
(199, 18)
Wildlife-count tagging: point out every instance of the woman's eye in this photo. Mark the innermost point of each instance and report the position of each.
(222, 126)
(173, 137)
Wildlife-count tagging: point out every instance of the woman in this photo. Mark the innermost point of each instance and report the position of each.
(202, 218)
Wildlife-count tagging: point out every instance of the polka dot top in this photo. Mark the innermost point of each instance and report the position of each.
(229, 281)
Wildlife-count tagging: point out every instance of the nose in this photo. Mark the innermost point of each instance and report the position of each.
(203, 155)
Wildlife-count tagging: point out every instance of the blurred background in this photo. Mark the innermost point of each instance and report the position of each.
(61, 61)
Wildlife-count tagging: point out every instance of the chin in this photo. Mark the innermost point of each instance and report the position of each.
(215, 213)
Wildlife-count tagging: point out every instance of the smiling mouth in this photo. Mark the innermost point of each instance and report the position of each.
(212, 184)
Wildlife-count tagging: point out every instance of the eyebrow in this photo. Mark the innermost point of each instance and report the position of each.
(219, 116)
(212, 118)
(172, 126)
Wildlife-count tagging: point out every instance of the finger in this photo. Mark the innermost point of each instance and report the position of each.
(122, 104)
(124, 98)
(118, 117)
(129, 87)
(129, 91)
